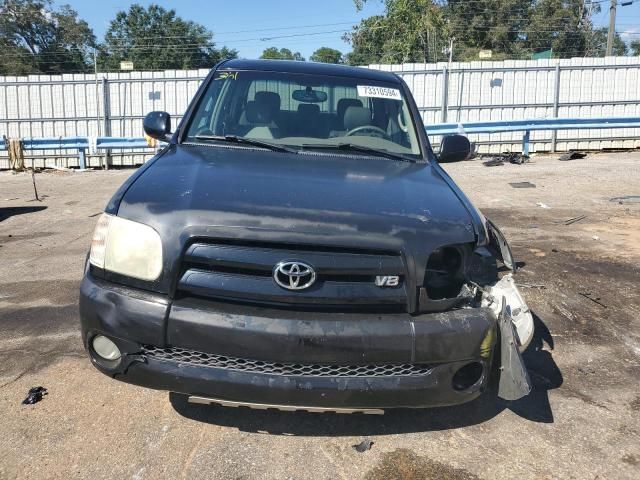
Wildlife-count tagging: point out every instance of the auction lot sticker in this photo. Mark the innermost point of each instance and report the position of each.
(379, 92)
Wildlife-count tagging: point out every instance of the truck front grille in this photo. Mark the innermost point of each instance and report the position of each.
(192, 357)
(345, 278)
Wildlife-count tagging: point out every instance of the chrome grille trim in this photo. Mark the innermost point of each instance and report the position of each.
(192, 357)
(244, 272)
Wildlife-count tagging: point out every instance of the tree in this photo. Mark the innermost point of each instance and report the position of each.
(597, 44)
(495, 25)
(367, 42)
(420, 30)
(154, 38)
(35, 38)
(635, 47)
(409, 31)
(560, 25)
(327, 55)
(272, 53)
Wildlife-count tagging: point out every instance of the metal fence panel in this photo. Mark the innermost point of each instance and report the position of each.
(530, 89)
(115, 103)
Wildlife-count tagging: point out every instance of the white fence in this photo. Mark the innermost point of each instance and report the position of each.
(536, 89)
(115, 103)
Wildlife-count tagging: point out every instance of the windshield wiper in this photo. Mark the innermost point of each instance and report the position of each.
(246, 141)
(353, 147)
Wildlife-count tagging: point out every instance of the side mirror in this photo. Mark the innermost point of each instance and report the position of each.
(158, 125)
(454, 148)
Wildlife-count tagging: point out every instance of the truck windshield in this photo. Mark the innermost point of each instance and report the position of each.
(302, 111)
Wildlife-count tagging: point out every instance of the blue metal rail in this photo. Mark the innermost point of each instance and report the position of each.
(527, 126)
(82, 144)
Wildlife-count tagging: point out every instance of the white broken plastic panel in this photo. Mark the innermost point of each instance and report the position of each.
(516, 307)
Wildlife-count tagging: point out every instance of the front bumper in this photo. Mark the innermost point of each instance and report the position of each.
(135, 320)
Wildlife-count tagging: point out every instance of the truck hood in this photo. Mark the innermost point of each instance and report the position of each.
(247, 195)
(353, 200)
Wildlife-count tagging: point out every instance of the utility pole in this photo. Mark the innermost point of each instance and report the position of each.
(612, 26)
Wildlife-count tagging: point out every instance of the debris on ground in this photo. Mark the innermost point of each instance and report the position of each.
(626, 199)
(35, 189)
(595, 237)
(542, 205)
(522, 185)
(363, 446)
(593, 299)
(502, 158)
(574, 219)
(571, 155)
(494, 162)
(34, 395)
(518, 159)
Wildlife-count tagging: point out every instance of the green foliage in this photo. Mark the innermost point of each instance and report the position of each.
(598, 44)
(559, 25)
(635, 47)
(35, 38)
(272, 53)
(409, 31)
(494, 25)
(154, 38)
(420, 30)
(327, 55)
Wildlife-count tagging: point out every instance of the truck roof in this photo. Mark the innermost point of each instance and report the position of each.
(293, 66)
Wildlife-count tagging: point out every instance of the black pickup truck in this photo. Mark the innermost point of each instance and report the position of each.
(297, 245)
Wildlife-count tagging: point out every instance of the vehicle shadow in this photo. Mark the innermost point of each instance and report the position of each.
(6, 212)
(543, 371)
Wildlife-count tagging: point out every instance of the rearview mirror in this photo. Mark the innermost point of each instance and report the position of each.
(309, 95)
(454, 148)
(158, 125)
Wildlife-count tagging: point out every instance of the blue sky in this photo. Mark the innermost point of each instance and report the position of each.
(227, 18)
(324, 22)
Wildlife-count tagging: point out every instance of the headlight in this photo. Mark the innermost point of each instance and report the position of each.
(126, 247)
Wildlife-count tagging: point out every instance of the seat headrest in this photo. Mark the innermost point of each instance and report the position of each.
(308, 109)
(356, 117)
(345, 103)
(259, 113)
(272, 99)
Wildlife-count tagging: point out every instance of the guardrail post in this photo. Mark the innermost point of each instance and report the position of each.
(445, 95)
(82, 159)
(106, 119)
(556, 103)
(525, 143)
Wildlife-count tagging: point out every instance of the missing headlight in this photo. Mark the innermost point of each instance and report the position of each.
(444, 276)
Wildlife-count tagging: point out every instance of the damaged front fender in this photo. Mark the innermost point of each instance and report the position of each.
(499, 247)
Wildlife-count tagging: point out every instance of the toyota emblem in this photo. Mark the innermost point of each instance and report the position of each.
(294, 275)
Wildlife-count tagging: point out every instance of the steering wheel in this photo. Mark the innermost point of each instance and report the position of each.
(377, 131)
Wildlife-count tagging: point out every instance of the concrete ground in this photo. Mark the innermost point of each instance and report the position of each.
(581, 421)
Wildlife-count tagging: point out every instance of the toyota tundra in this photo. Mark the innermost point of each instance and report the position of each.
(297, 245)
